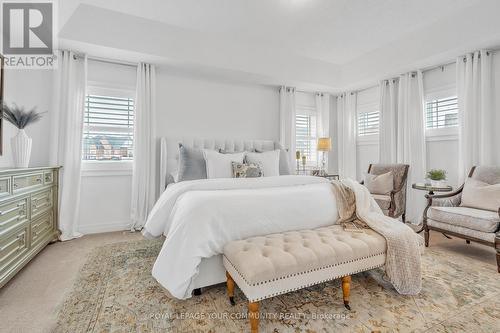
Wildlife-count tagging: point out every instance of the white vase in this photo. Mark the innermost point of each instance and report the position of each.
(21, 149)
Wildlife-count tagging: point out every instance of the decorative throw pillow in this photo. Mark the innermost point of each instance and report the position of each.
(269, 161)
(481, 195)
(220, 165)
(191, 164)
(380, 184)
(284, 159)
(243, 170)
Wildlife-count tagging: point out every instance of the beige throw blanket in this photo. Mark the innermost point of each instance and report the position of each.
(402, 265)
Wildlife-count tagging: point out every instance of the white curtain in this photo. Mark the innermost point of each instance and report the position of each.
(143, 178)
(323, 109)
(287, 121)
(66, 137)
(476, 112)
(388, 121)
(346, 134)
(411, 139)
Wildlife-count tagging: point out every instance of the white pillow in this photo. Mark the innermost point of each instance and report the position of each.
(220, 165)
(380, 184)
(481, 195)
(268, 160)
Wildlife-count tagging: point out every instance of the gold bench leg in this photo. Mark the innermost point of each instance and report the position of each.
(253, 309)
(230, 288)
(346, 290)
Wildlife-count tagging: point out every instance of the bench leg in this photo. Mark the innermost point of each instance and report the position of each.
(253, 311)
(230, 288)
(197, 292)
(346, 290)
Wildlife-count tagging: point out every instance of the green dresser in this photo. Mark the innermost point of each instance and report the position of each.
(28, 216)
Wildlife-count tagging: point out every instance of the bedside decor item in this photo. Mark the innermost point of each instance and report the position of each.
(324, 146)
(297, 158)
(28, 216)
(304, 161)
(21, 143)
(436, 177)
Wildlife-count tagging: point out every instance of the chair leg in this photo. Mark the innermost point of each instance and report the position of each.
(230, 288)
(426, 236)
(467, 241)
(253, 311)
(498, 260)
(197, 292)
(403, 218)
(346, 290)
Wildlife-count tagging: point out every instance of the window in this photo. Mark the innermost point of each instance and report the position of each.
(306, 136)
(368, 123)
(108, 128)
(442, 113)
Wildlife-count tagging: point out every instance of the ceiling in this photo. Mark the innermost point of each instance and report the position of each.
(327, 44)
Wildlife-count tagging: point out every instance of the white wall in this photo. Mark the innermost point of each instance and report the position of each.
(29, 88)
(186, 107)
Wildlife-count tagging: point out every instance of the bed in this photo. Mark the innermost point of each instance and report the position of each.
(198, 217)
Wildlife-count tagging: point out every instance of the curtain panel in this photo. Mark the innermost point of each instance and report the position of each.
(410, 145)
(346, 135)
(66, 137)
(144, 169)
(287, 121)
(388, 128)
(476, 111)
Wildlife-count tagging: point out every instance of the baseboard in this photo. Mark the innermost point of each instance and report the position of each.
(104, 227)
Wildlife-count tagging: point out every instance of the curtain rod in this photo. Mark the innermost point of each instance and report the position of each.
(111, 61)
(424, 69)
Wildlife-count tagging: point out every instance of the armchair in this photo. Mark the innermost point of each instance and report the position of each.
(444, 214)
(394, 204)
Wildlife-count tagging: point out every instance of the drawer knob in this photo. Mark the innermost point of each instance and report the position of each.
(39, 180)
(15, 185)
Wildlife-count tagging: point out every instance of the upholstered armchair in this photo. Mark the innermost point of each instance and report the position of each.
(445, 214)
(394, 203)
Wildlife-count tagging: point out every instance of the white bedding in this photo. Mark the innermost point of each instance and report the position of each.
(199, 217)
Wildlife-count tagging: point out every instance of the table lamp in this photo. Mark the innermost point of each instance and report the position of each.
(324, 146)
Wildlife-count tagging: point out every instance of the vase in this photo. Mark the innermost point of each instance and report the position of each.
(21, 149)
(438, 183)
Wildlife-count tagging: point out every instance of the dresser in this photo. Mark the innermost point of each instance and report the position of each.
(28, 216)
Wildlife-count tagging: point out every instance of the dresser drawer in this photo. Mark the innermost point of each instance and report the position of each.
(41, 202)
(4, 186)
(13, 213)
(42, 228)
(48, 177)
(13, 245)
(27, 181)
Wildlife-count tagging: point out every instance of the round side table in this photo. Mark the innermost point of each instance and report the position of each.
(430, 189)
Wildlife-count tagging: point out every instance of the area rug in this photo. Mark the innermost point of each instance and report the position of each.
(115, 292)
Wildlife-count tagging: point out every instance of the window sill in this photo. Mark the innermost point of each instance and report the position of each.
(441, 134)
(106, 168)
(366, 140)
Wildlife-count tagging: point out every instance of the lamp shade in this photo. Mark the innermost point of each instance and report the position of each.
(324, 144)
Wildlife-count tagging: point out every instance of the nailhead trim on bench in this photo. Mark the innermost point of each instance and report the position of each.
(304, 272)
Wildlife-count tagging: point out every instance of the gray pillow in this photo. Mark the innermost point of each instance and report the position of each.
(284, 164)
(191, 164)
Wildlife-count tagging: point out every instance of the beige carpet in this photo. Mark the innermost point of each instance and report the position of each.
(116, 293)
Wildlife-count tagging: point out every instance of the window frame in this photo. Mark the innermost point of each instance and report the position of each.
(114, 167)
(443, 133)
(310, 111)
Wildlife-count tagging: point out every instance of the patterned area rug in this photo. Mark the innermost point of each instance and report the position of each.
(116, 293)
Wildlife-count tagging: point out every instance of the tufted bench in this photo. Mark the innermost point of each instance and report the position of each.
(276, 264)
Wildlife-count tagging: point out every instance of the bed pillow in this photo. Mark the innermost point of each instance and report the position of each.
(284, 159)
(268, 160)
(380, 184)
(244, 170)
(191, 164)
(481, 195)
(220, 165)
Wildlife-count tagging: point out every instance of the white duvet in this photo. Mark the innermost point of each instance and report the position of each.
(199, 217)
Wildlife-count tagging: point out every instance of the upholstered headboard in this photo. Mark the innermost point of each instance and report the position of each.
(169, 150)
